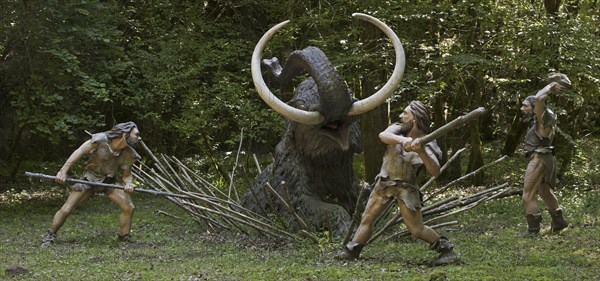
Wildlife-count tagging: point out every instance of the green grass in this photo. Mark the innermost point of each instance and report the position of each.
(168, 248)
(178, 248)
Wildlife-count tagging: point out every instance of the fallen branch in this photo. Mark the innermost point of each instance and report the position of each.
(405, 233)
(237, 157)
(355, 217)
(473, 173)
(289, 208)
(160, 212)
(446, 205)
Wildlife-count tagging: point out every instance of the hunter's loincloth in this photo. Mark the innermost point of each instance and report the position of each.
(88, 176)
(400, 190)
(548, 161)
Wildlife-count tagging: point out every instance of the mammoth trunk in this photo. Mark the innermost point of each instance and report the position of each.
(332, 98)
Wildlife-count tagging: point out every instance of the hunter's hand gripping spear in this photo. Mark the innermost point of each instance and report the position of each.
(71, 180)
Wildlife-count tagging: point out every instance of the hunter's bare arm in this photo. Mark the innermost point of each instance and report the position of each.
(84, 149)
(540, 106)
(391, 135)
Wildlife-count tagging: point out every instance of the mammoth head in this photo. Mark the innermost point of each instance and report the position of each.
(322, 101)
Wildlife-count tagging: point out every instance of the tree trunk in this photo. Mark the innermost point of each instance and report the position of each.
(551, 6)
(517, 129)
(439, 119)
(565, 154)
(455, 141)
(372, 123)
(475, 157)
(375, 121)
(439, 106)
(565, 140)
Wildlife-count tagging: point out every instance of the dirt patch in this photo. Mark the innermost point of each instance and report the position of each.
(16, 271)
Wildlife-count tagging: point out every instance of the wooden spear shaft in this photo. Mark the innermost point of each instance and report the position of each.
(459, 121)
(71, 180)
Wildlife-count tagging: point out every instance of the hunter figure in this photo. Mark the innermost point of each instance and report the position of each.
(540, 176)
(108, 153)
(404, 158)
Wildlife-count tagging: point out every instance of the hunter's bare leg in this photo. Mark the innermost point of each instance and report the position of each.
(414, 223)
(534, 176)
(556, 211)
(123, 200)
(75, 199)
(548, 196)
(375, 206)
(533, 179)
(413, 219)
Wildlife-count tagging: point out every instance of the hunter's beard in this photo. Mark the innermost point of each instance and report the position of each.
(132, 141)
(527, 118)
(407, 126)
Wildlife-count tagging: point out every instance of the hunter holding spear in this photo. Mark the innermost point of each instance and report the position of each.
(409, 150)
(108, 153)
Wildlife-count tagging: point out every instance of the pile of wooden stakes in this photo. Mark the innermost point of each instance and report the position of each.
(218, 209)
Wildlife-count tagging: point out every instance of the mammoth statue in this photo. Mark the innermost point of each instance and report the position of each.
(312, 168)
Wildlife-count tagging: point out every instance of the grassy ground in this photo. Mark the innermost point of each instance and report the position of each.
(175, 247)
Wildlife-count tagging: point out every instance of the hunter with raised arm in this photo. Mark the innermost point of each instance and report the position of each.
(540, 176)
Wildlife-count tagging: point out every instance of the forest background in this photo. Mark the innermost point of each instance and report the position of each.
(181, 71)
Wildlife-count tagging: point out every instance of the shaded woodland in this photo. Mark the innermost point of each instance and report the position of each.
(181, 71)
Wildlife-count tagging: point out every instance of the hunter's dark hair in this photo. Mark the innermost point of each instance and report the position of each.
(531, 100)
(118, 130)
(421, 113)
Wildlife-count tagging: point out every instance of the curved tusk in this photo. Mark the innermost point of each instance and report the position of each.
(391, 85)
(297, 115)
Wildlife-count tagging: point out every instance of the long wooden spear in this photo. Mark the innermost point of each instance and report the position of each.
(459, 121)
(71, 180)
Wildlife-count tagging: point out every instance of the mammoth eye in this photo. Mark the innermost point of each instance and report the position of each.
(299, 104)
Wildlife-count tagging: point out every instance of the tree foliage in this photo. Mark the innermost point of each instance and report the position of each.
(180, 69)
